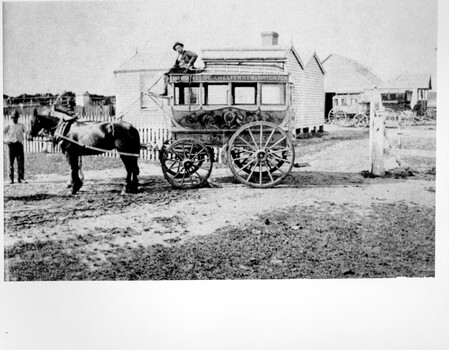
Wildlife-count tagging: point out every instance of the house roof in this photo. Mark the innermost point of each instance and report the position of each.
(148, 61)
(346, 75)
(275, 52)
(164, 61)
(411, 81)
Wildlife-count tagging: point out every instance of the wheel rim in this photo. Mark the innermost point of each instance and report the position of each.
(260, 154)
(337, 117)
(360, 121)
(186, 163)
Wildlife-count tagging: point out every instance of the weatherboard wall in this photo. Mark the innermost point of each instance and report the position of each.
(128, 99)
(313, 94)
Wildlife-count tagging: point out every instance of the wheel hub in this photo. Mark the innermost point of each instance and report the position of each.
(187, 163)
(261, 155)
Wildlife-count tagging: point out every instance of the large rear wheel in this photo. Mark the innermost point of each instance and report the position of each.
(260, 154)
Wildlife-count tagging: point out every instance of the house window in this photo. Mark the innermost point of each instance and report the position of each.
(273, 94)
(147, 80)
(215, 94)
(244, 94)
(187, 94)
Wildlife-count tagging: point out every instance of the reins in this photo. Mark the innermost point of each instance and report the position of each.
(61, 136)
(96, 148)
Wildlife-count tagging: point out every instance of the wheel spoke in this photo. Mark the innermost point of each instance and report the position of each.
(174, 163)
(252, 137)
(251, 174)
(261, 137)
(247, 164)
(281, 159)
(269, 138)
(235, 159)
(243, 150)
(280, 150)
(269, 171)
(283, 138)
(276, 167)
(260, 173)
(246, 142)
(198, 153)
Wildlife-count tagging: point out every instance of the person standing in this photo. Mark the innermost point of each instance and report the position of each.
(14, 137)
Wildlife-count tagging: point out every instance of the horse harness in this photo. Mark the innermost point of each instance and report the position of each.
(61, 134)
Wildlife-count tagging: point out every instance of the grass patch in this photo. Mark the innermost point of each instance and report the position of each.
(329, 241)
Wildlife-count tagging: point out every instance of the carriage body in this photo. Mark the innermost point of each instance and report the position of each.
(250, 115)
(212, 107)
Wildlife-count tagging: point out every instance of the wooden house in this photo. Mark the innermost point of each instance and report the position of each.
(133, 79)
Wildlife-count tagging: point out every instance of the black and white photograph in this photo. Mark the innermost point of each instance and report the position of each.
(287, 148)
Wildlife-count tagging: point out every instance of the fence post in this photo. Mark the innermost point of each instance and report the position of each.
(376, 141)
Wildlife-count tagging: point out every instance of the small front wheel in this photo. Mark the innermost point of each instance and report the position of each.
(360, 120)
(337, 117)
(186, 163)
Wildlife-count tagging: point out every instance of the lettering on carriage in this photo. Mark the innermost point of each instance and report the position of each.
(227, 77)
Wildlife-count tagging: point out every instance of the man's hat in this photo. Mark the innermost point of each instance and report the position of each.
(177, 43)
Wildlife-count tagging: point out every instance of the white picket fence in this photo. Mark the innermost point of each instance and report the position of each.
(148, 136)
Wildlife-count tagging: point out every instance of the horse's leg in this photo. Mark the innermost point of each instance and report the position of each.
(70, 181)
(80, 172)
(132, 170)
(76, 182)
(135, 171)
(80, 166)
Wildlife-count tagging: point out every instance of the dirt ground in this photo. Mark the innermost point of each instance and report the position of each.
(326, 220)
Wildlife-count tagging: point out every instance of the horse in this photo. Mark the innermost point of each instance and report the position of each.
(83, 138)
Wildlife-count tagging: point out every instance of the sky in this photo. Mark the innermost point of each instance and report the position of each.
(61, 46)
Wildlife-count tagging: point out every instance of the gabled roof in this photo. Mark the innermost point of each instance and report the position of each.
(148, 61)
(263, 52)
(411, 81)
(318, 61)
(345, 75)
(275, 52)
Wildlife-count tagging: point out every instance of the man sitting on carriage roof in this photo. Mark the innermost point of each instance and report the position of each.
(183, 64)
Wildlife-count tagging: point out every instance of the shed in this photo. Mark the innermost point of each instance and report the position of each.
(411, 89)
(348, 78)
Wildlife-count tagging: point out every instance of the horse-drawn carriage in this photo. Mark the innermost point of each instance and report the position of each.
(354, 109)
(249, 114)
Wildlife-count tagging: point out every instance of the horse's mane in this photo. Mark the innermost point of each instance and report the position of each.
(45, 115)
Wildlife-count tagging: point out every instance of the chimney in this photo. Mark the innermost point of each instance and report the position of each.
(270, 38)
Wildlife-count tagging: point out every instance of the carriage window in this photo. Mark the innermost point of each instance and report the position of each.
(336, 102)
(216, 94)
(273, 94)
(186, 94)
(244, 94)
